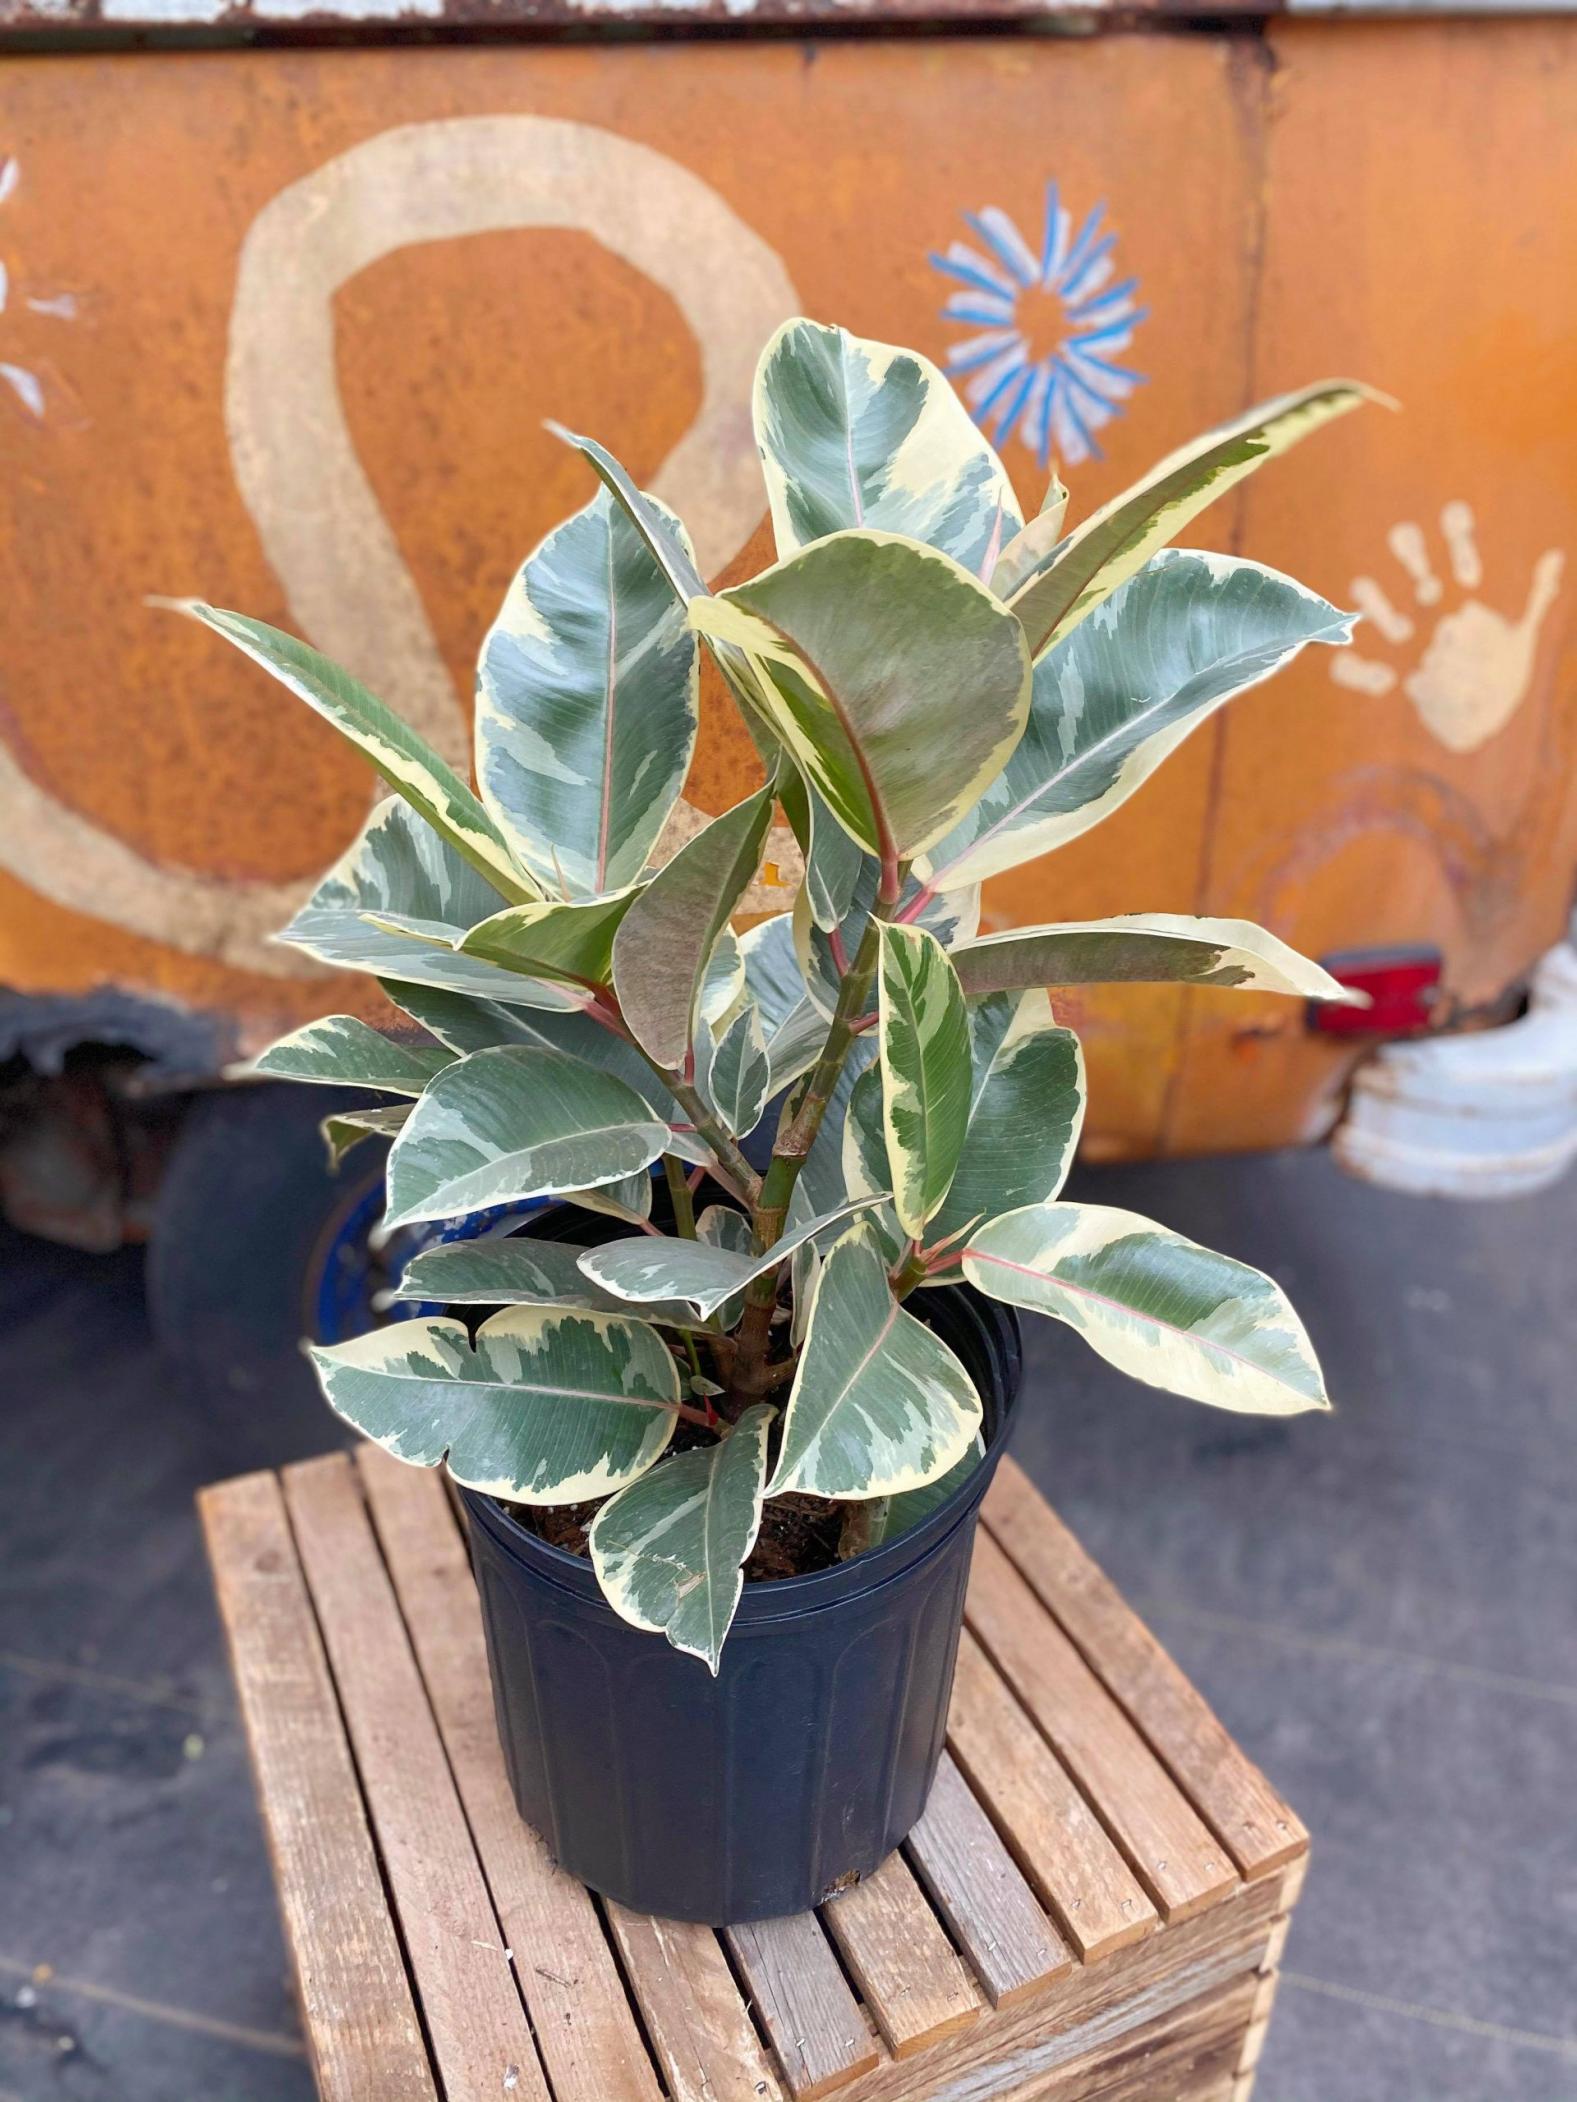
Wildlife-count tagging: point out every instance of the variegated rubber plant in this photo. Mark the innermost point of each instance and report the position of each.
(940, 689)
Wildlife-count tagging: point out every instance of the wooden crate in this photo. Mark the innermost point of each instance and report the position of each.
(1091, 1910)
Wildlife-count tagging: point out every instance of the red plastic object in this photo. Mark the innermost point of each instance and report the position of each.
(1403, 987)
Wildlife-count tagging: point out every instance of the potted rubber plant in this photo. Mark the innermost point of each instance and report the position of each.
(741, 1377)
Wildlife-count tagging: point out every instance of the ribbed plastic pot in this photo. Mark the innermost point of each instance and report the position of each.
(804, 1762)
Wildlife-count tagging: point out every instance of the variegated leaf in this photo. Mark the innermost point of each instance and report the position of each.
(667, 936)
(821, 1188)
(340, 1051)
(519, 1270)
(349, 1127)
(467, 1025)
(1025, 1114)
(924, 1049)
(1150, 948)
(795, 1047)
(669, 1551)
(734, 1072)
(1031, 549)
(804, 1271)
(857, 433)
(703, 1272)
(395, 903)
(1186, 635)
(572, 941)
(879, 1403)
(1159, 1307)
(901, 1514)
(866, 1172)
(833, 862)
(505, 1125)
(586, 704)
(664, 537)
(1116, 541)
(724, 988)
(671, 551)
(427, 783)
(897, 681)
(627, 1197)
(550, 1406)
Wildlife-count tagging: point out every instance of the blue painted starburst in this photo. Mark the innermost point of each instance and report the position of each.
(1047, 330)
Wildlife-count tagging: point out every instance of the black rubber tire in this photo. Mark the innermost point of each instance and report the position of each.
(244, 1213)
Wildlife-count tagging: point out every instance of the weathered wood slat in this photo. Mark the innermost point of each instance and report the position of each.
(1095, 2010)
(1230, 1793)
(589, 2042)
(355, 1996)
(815, 2024)
(902, 1961)
(975, 1884)
(481, 2042)
(1049, 1828)
(698, 2025)
(1182, 1864)
(1183, 2056)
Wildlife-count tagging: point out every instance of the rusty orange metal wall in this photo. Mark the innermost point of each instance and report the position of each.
(1287, 209)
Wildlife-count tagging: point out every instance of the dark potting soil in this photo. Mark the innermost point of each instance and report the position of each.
(798, 1534)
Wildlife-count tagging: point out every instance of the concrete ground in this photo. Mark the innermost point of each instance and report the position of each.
(1382, 1605)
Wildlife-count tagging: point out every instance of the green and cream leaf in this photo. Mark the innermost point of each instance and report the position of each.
(396, 902)
(1157, 1306)
(669, 1551)
(349, 1127)
(549, 1405)
(1115, 542)
(518, 1270)
(704, 1272)
(923, 1034)
(879, 1403)
(1155, 661)
(341, 1051)
(505, 1125)
(1025, 1115)
(587, 702)
(898, 683)
(858, 433)
(1149, 948)
(734, 1071)
(571, 941)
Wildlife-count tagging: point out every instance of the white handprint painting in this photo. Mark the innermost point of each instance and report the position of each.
(1476, 664)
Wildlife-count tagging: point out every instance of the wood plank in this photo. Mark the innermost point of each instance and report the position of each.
(1092, 2012)
(902, 1961)
(1185, 2055)
(587, 2035)
(1049, 1828)
(1259, 1830)
(480, 2038)
(974, 1882)
(812, 2020)
(1178, 1858)
(356, 2002)
(705, 2040)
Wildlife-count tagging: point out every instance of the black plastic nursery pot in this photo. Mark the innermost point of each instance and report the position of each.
(807, 1759)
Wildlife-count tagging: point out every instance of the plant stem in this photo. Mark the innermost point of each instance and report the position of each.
(679, 1194)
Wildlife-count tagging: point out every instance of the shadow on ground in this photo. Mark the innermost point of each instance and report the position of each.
(1381, 1605)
